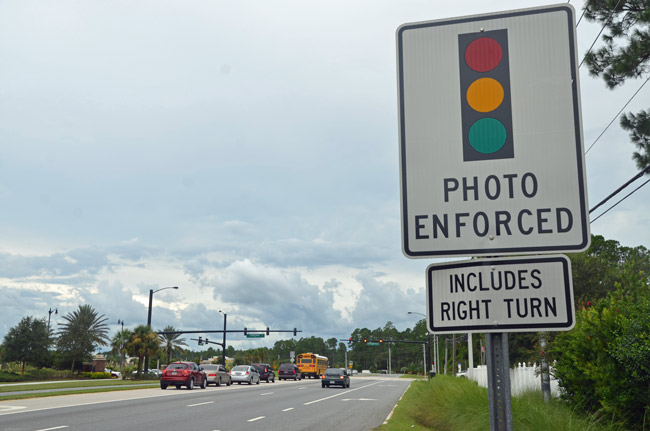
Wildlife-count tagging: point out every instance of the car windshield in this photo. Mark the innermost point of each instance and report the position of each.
(333, 371)
(210, 367)
(177, 366)
(240, 368)
(286, 367)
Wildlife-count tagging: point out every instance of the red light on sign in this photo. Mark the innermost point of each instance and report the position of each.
(483, 54)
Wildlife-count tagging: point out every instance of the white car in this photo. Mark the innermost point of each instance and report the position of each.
(114, 374)
(244, 374)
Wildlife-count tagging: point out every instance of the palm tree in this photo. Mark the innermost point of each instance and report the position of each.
(81, 334)
(144, 342)
(171, 343)
(119, 342)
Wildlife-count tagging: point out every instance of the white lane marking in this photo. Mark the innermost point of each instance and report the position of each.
(53, 428)
(341, 393)
(268, 393)
(286, 410)
(256, 419)
(200, 404)
(9, 408)
(167, 394)
(359, 399)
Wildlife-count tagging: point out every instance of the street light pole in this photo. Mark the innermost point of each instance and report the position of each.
(151, 292)
(428, 355)
(50, 311)
(223, 346)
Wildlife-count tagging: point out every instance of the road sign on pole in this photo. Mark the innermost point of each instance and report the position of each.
(520, 294)
(254, 335)
(491, 145)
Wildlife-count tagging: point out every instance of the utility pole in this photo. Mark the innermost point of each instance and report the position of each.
(446, 355)
(470, 354)
(389, 361)
(453, 355)
(424, 359)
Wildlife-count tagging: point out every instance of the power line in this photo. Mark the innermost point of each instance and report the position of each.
(618, 190)
(616, 116)
(580, 19)
(627, 196)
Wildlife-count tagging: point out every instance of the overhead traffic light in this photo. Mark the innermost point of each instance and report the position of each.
(206, 341)
(245, 331)
(295, 332)
(381, 341)
(267, 330)
(350, 340)
(365, 340)
(486, 109)
(200, 341)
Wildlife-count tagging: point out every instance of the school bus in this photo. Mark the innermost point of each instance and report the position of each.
(311, 365)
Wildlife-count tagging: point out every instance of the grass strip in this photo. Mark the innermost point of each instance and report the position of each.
(447, 403)
(72, 384)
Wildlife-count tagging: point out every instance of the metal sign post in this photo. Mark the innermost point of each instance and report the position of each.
(498, 367)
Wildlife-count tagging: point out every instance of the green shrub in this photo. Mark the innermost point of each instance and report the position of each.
(602, 364)
(95, 375)
(47, 374)
(7, 376)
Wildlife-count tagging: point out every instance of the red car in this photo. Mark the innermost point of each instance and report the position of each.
(183, 374)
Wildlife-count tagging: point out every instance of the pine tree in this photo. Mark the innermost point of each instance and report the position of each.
(626, 54)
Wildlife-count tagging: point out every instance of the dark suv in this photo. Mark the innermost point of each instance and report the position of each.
(289, 371)
(265, 371)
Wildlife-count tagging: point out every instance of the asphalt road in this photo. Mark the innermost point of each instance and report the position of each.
(286, 406)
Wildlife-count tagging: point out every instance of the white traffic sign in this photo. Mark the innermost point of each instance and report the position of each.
(522, 294)
(491, 151)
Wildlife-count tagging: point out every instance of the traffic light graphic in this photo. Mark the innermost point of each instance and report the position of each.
(485, 95)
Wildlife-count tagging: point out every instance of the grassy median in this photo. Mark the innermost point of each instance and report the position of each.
(447, 403)
(8, 391)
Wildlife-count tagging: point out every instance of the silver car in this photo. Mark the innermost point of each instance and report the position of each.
(217, 374)
(244, 374)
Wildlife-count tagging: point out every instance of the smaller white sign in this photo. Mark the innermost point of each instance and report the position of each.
(521, 294)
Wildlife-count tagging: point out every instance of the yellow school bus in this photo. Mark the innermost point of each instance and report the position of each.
(311, 365)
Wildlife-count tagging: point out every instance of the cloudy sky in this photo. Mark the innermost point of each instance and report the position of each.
(245, 151)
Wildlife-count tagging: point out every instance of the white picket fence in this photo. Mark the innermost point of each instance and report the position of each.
(522, 378)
